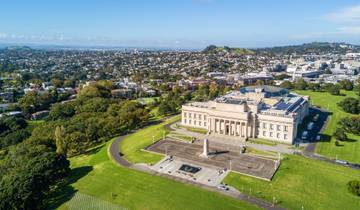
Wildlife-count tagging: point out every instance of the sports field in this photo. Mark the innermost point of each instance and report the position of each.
(349, 150)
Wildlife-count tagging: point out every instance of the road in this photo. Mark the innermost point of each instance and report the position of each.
(118, 158)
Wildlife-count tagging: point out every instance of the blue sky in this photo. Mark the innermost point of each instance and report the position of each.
(179, 23)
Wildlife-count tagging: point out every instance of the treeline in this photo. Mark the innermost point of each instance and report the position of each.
(170, 103)
(34, 164)
(13, 130)
(33, 101)
(91, 119)
(334, 89)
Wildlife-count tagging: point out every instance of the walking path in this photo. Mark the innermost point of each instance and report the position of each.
(116, 155)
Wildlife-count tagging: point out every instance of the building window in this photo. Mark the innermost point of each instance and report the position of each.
(184, 114)
(271, 134)
(189, 121)
(204, 123)
(264, 133)
(194, 122)
(189, 115)
(285, 128)
(271, 126)
(184, 121)
(194, 116)
(200, 123)
(285, 136)
(204, 117)
(278, 127)
(264, 125)
(278, 135)
(199, 116)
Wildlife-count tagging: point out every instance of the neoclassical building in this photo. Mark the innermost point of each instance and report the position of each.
(265, 112)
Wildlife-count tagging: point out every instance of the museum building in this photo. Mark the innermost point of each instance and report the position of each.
(265, 112)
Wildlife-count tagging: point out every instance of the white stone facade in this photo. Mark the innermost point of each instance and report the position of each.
(254, 112)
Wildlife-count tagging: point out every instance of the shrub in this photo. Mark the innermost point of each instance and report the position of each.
(354, 187)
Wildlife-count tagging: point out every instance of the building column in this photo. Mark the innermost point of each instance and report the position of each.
(246, 130)
(234, 128)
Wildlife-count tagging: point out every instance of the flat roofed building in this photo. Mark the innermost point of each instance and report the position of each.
(252, 112)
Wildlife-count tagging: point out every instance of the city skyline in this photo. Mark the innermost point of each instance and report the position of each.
(179, 24)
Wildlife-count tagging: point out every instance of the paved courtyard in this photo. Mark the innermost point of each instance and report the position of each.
(206, 175)
(220, 158)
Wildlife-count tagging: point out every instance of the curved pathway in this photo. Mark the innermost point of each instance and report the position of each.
(118, 157)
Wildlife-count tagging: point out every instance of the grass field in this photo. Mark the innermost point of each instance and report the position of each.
(97, 176)
(133, 145)
(349, 150)
(303, 182)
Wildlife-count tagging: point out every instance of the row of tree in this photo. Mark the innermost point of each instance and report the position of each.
(333, 89)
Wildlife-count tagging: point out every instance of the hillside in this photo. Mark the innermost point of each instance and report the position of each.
(212, 49)
(312, 48)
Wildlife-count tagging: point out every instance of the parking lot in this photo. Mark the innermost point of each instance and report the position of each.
(317, 128)
(219, 158)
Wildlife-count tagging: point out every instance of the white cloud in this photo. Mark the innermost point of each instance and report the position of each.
(348, 14)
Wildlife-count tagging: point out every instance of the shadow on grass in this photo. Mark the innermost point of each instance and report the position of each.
(349, 140)
(64, 191)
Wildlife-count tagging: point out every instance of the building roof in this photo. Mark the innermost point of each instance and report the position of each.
(270, 91)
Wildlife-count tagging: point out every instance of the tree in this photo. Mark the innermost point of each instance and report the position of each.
(346, 84)
(351, 124)
(340, 134)
(60, 140)
(314, 86)
(26, 184)
(14, 138)
(350, 105)
(334, 90)
(300, 84)
(354, 187)
(286, 85)
(95, 90)
(62, 111)
(29, 102)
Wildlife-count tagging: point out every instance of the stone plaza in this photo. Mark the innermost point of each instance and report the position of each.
(218, 158)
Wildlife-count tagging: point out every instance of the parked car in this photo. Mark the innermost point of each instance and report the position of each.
(342, 162)
(223, 187)
(304, 135)
(310, 126)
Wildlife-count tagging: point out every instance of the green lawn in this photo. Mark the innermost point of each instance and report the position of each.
(179, 136)
(262, 141)
(303, 182)
(350, 150)
(196, 130)
(132, 147)
(97, 176)
(147, 100)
